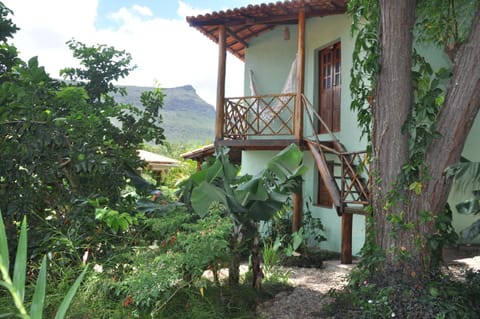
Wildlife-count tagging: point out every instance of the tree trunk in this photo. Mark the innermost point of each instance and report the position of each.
(234, 269)
(234, 266)
(257, 272)
(393, 102)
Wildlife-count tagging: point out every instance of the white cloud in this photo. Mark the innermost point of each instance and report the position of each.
(185, 10)
(166, 51)
(145, 11)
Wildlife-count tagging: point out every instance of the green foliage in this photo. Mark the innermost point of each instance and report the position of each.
(64, 144)
(16, 286)
(246, 199)
(115, 220)
(149, 277)
(429, 91)
(310, 234)
(365, 14)
(445, 23)
(443, 237)
(440, 297)
(98, 74)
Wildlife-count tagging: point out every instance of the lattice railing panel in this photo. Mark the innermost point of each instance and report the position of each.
(355, 178)
(265, 115)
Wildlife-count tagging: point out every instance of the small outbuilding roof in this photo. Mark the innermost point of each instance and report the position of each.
(245, 23)
(157, 162)
(200, 154)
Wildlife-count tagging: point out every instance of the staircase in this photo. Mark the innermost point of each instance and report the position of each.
(348, 188)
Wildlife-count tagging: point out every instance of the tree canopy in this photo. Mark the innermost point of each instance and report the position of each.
(65, 143)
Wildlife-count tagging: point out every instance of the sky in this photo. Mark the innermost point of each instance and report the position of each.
(165, 49)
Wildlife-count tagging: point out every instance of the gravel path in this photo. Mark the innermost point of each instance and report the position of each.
(308, 296)
(311, 285)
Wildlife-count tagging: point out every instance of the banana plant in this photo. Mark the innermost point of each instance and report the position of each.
(247, 199)
(16, 285)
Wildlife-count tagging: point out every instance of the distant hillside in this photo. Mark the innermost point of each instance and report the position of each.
(186, 117)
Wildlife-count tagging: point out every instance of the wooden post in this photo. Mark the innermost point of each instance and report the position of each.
(346, 254)
(298, 129)
(222, 62)
(300, 76)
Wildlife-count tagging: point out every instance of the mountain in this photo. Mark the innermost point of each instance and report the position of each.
(186, 117)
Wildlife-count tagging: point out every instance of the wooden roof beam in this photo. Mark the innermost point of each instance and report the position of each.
(234, 35)
(246, 21)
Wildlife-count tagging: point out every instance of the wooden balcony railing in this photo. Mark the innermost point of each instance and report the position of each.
(265, 115)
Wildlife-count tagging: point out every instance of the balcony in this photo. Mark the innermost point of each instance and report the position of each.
(263, 122)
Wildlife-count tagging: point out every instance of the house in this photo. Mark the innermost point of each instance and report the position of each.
(298, 57)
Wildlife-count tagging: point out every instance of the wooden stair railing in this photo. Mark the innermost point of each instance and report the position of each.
(328, 179)
(352, 180)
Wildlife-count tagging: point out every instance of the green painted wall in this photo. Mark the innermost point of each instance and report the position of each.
(270, 58)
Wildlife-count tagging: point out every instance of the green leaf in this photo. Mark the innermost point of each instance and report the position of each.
(251, 190)
(204, 195)
(214, 171)
(262, 211)
(416, 187)
(3, 245)
(20, 268)
(62, 310)
(286, 161)
(36, 310)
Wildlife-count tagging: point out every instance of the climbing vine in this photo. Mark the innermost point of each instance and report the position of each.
(365, 15)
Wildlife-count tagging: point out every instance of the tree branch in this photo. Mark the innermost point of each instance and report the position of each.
(458, 114)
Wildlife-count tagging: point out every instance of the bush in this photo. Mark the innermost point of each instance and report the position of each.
(148, 277)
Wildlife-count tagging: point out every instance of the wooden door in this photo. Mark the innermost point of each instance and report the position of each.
(329, 88)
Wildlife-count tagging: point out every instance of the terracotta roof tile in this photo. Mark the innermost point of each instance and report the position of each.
(243, 24)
